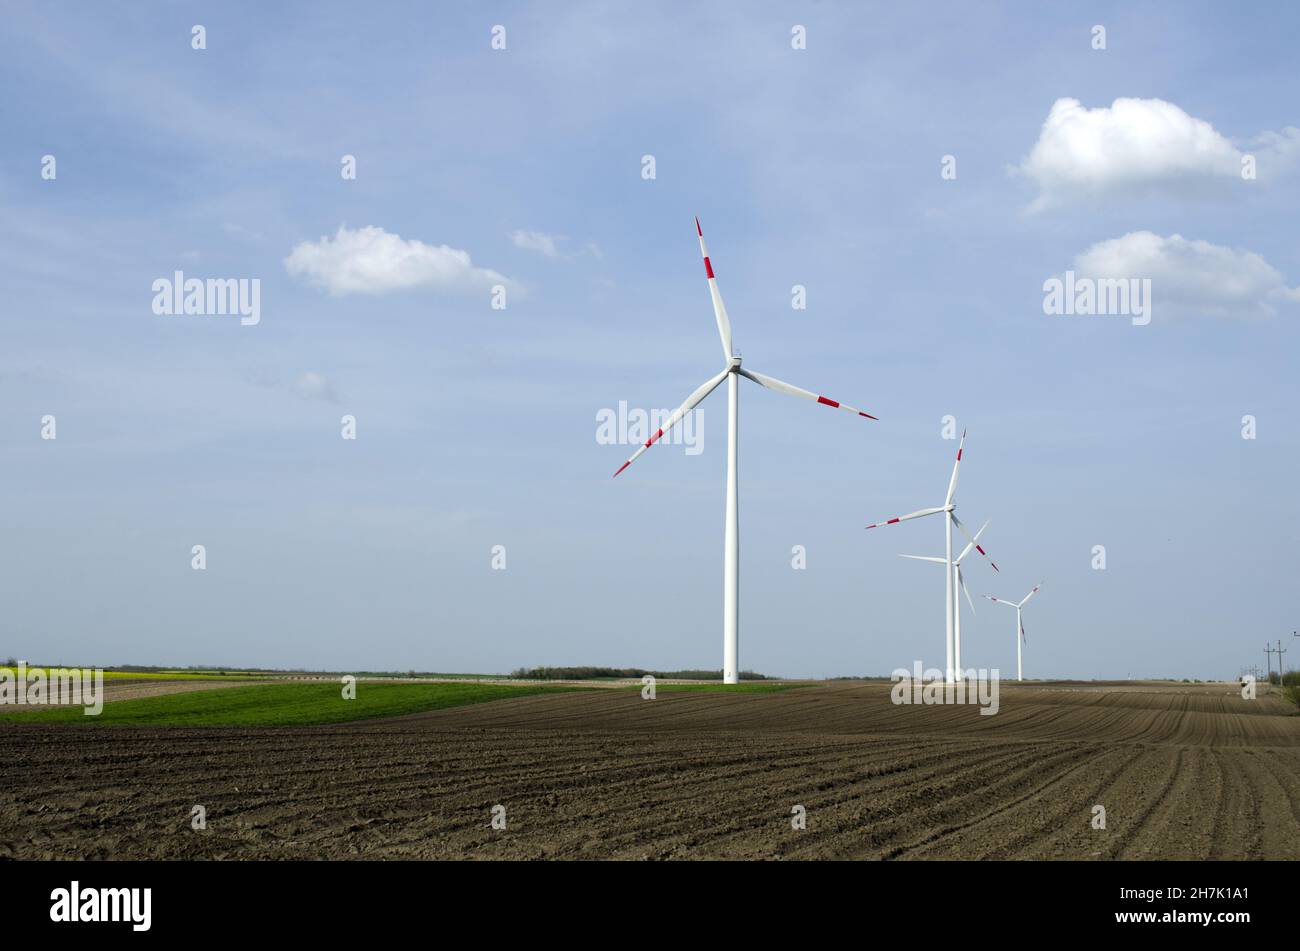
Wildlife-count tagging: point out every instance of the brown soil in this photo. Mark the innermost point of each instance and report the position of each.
(123, 689)
(1183, 772)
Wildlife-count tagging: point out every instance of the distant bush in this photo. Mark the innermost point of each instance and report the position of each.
(1291, 686)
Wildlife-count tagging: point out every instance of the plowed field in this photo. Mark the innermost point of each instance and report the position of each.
(1182, 772)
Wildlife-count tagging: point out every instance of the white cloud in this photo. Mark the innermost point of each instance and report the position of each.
(552, 245)
(1138, 144)
(312, 385)
(1191, 277)
(239, 231)
(372, 261)
(539, 241)
(1280, 148)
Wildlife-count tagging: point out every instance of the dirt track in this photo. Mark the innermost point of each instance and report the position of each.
(1183, 772)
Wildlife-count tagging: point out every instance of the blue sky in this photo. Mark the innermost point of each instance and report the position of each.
(476, 427)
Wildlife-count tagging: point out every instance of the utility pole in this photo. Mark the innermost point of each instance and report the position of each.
(1268, 652)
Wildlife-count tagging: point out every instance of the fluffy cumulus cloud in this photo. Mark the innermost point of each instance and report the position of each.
(372, 261)
(1191, 277)
(539, 241)
(1139, 144)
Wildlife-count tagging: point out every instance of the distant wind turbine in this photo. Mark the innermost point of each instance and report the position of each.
(951, 519)
(1020, 625)
(961, 583)
(731, 372)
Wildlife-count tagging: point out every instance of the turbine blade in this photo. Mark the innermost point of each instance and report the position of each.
(956, 521)
(966, 551)
(1022, 632)
(940, 561)
(904, 518)
(965, 590)
(719, 308)
(772, 383)
(691, 402)
(1031, 594)
(952, 483)
(1000, 600)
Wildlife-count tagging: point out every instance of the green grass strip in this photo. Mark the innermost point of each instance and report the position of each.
(280, 704)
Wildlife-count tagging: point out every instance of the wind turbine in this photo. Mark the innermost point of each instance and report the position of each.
(1020, 626)
(949, 510)
(731, 372)
(955, 567)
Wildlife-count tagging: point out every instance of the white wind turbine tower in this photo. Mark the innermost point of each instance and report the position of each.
(1020, 625)
(955, 567)
(951, 519)
(731, 547)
